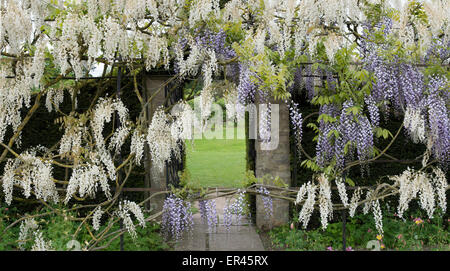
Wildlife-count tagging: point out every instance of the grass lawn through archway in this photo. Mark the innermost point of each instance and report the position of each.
(217, 162)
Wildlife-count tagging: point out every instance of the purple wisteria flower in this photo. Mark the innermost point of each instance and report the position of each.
(374, 112)
(267, 201)
(439, 50)
(354, 131)
(438, 119)
(215, 41)
(411, 83)
(246, 88)
(309, 82)
(298, 79)
(325, 144)
(176, 218)
(208, 213)
(238, 209)
(364, 139)
(297, 122)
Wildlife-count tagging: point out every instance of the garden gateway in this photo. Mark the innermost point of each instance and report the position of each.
(343, 107)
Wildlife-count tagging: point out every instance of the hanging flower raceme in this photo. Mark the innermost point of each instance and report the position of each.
(414, 123)
(374, 113)
(325, 150)
(215, 42)
(28, 226)
(246, 88)
(125, 208)
(40, 244)
(96, 217)
(342, 191)
(354, 201)
(29, 229)
(238, 208)
(177, 217)
(378, 217)
(157, 51)
(160, 139)
(267, 201)
(201, 9)
(309, 82)
(85, 180)
(300, 194)
(36, 176)
(103, 113)
(308, 206)
(368, 201)
(137, 145)
(438, 119)
(412, 183)
(325, 204)
(297, 122)
(17, 24)
(208, 213)
(354, 131)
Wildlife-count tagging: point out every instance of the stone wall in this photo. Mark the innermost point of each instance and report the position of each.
(154, 178)
(276, 164)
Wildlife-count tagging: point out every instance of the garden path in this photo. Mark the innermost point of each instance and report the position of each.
(240, 237)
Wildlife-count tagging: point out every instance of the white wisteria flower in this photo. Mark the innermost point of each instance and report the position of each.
(137, 145)
(125, 207)
(377, 216)
(415, 124)
(26, 228)
(354, 201)
(368, 203)
(96, 217)
(36, 177)
(163, 146)
(308, 206)
(412, 183)
(440, 184)
(342, 192)
(39, 242)
(325, 204)
(300, 194)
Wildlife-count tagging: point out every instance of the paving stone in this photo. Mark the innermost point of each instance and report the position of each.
(195, 241)
(235, 242)
(239, 238)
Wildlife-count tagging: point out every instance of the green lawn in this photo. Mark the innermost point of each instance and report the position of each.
(217, 162)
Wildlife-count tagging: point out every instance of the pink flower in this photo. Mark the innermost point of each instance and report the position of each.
(292, 226)
(369, 230)
(349, 249)
(399, 236)
(330, 248)
(6, 209)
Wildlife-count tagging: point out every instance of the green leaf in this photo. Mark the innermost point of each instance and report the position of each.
(347, 146)
(313, 126)
(349, 181)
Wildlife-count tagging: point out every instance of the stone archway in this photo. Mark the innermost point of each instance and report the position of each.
(163, 91)
(275, 163)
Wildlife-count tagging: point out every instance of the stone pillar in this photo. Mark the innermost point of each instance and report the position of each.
(153, 177)
(275, 163)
